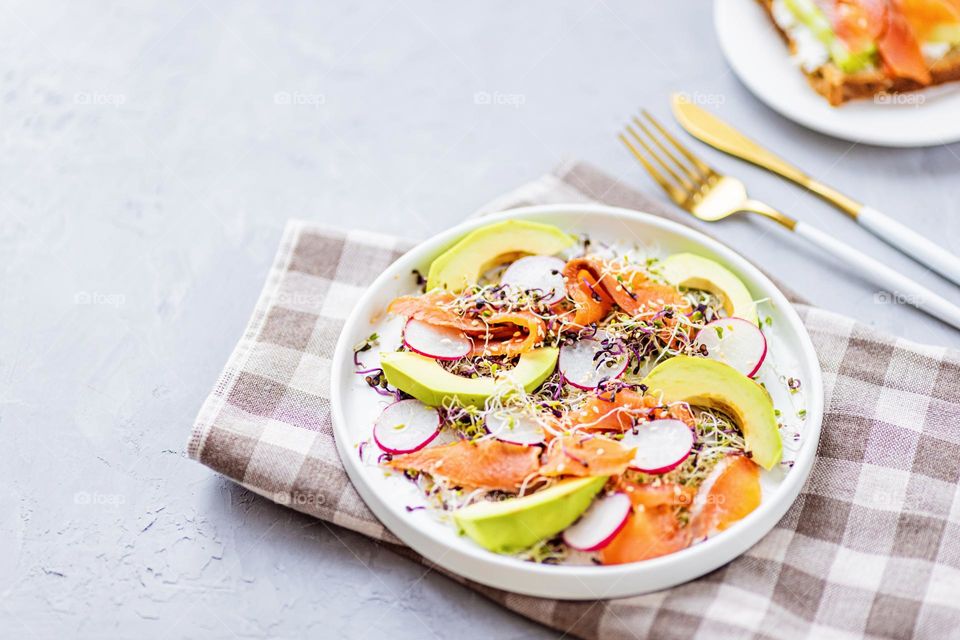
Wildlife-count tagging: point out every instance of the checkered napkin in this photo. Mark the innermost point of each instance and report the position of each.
(870, 548)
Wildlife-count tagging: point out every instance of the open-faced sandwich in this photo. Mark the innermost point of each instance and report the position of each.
(852, 49)
(562, 400)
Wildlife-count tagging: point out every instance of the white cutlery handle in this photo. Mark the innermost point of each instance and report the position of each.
(894, 282)
(911, 242)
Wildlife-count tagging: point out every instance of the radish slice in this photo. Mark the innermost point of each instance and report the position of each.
(514, 428)
(587, 362)
(538, 273)
(600, 524)
(440, 343)
(406, 426)
(662, 445)
(734, 341)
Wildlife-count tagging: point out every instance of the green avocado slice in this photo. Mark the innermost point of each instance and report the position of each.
(462, 264)
(696, 272)
(515, 524)
(712, 384)
(813, 17)
(424, 379)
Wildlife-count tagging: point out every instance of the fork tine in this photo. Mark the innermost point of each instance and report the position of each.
(675, 194)
(687, 186)
(694, 177)
(702, 166)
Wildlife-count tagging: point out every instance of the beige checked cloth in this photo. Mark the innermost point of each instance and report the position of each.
(871, 547)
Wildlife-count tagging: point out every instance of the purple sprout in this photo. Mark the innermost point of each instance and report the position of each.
(385, 392)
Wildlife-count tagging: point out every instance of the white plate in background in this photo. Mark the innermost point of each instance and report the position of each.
(760, 58)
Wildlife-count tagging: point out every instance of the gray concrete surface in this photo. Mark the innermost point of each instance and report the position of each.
(151, 154)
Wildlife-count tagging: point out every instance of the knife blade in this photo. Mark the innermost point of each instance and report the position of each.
(708, 128)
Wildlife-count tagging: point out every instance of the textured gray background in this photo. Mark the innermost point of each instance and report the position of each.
(151, 156)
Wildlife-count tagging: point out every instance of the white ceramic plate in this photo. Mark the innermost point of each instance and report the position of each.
(760, 58)
(355, 407)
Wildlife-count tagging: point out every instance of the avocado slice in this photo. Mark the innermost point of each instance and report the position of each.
(709, 383)
(431, 384)
(696, 272)
(813, 18)
(515, 524)
(462, 264)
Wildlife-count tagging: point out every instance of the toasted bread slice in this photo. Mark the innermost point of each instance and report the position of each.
(839, 87)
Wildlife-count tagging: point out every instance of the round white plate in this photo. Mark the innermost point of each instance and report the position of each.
(760, 58)
(355, 406)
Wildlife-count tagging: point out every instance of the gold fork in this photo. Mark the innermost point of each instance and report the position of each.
(710, 196)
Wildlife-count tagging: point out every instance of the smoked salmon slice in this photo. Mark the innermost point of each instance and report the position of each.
(427, 308)
(730, 492)
(528, 331)
(584, 455)
(595, 287)
(634, 292)
(898, 45)
(653, 529)
(649, 533)
(664, 494)
(858, 23)
(896, 26)
(499, 334)
(591, 301)
(624, 409)
(601, 413)
(487, 464)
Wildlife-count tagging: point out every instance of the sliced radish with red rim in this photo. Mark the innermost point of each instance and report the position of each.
(406, 426)
(440, 343)
(662, 445)
(540, 274)
(599, 524)
(588, 361)
(734, 341)
(514, 428)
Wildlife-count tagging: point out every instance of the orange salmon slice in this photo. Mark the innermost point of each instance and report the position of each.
(487, 464)
(729, 493)
(500, 334)
(650, 496)
(649, 533)
(899, 47)
(584, 455)
(635, 292)
(591, 301)
(601, 413)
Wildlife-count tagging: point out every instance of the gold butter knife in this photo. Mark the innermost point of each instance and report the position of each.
(706, 127)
